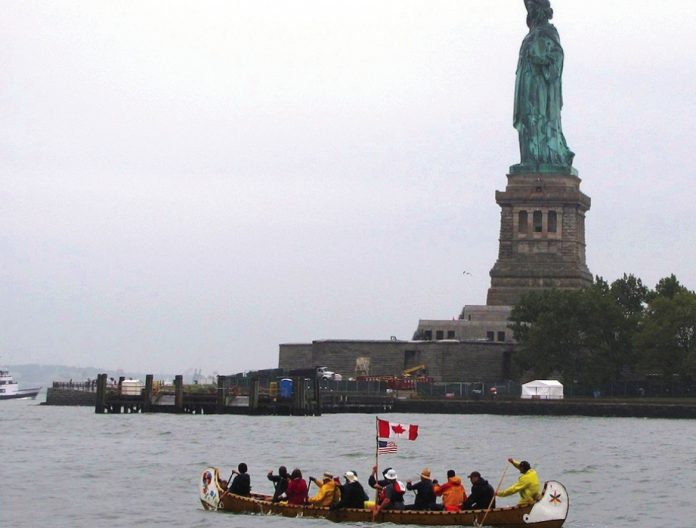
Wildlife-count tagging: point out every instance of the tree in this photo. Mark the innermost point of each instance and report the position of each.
(666, 341)
(667, 287)
(630, 293)
(598, 334)
(609, 323)
(585, 335)
(567, 332)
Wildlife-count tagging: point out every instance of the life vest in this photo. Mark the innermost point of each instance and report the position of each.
(399, 489)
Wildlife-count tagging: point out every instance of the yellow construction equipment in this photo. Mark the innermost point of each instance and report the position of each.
(418, 370)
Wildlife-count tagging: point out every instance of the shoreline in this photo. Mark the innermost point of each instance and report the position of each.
(593, 408)
(618, 408)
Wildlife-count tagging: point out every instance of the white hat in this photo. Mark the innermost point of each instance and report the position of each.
(390, 475)
(351, 476)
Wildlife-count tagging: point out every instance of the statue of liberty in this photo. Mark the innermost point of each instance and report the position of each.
(538, 95)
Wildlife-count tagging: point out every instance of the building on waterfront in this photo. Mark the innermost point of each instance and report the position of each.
(447, 360)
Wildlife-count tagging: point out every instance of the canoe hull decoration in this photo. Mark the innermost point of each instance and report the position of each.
(549, 512)
(209, 488)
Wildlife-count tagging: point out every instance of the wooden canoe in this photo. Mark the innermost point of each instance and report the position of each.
(549, 512)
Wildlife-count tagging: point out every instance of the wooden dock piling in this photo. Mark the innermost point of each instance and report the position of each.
(100, 406)
(147, 393)
(220, 400)
(178, 393)
(254, 396)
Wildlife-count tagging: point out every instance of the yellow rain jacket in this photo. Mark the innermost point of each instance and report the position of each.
(527, 486)
(328, 494)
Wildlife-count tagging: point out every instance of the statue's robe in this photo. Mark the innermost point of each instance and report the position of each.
(539, 99)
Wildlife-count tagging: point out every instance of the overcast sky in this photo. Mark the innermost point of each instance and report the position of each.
(188, 184)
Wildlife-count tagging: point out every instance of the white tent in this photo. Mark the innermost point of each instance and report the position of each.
(543, 390)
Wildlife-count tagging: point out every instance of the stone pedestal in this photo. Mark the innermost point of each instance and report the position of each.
(542, 236)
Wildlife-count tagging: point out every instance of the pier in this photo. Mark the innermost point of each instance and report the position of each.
(290, 396)
(272, 392)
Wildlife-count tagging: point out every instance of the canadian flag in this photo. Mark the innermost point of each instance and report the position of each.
(387, 429)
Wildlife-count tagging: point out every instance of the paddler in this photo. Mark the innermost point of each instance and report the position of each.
(527, 485)
(393, 496)
(329, 493)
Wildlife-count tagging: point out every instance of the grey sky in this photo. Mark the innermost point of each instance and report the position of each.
(189, 184)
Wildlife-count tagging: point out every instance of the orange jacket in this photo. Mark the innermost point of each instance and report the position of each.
(452, 492)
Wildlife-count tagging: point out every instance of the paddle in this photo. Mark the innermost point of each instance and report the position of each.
(275, 485)
(229, 480)
(229, 484)
(309, 485)
(490, 504)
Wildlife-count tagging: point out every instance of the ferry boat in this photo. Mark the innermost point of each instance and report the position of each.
(9, 388)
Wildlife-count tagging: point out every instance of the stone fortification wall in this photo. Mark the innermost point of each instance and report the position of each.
(70, 397)
(445, 360)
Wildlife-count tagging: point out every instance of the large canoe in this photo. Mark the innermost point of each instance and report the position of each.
(549, 512)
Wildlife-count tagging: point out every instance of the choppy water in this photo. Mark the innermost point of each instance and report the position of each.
(68, 467)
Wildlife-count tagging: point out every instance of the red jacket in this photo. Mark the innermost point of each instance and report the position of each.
(297, 491)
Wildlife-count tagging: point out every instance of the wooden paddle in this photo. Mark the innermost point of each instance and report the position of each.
(309, 485)
(490, 504)
(229, 483)
(229, 480)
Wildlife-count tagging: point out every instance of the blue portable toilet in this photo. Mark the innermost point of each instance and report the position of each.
(285, 389)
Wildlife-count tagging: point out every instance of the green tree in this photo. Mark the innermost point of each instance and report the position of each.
(630, 293)
(608, 326)
(666, 341)
(585, 335)
(667, 287)
(551, 329)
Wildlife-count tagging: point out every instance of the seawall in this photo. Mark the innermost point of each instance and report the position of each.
(610, 408)
(61, 396)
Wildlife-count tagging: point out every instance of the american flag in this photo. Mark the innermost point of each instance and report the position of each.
(386, 446)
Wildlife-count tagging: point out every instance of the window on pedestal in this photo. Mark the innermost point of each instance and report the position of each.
(522, 222)
(439, 334)
(537, 221)
(552, 221)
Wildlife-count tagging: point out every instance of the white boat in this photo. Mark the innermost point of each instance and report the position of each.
(9, 388)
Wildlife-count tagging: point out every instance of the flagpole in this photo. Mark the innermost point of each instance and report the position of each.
(376, 458)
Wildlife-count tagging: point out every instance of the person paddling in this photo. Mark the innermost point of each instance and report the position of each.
(280, 482)
(452, 491)
(241, 485)
(482, 493)
(393, 497)
(329, 493)
(425, 496)
(297, 488)
(352, 493)
(527, 485)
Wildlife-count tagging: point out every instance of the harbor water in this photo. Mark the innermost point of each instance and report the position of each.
(68, 467)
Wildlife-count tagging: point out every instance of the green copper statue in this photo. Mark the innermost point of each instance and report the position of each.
(538, 97)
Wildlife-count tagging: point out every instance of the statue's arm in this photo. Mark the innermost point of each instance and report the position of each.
(549, 56)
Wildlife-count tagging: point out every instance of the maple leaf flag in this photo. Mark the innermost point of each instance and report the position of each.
(387, 429)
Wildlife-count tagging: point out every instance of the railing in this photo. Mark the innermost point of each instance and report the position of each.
(86, 386)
